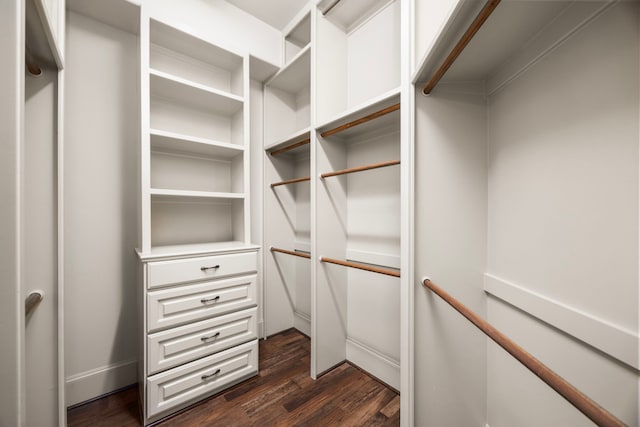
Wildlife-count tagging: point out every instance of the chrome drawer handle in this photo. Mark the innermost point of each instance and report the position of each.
(205, 269)
(206, 377)
(212, 337)
(206, 300)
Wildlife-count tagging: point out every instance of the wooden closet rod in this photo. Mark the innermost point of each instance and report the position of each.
(284, 251)
(361, 168)
(291, 147)
(477, 23)
(291, 181)
(361, 120)
(584, 404)
(360, 266)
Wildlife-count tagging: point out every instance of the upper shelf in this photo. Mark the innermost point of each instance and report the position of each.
(355, 120)
(192, 94)
(493, 43)
(294, 76)
(295, 138)
(194, 47)
(300, 35)
(349, 14)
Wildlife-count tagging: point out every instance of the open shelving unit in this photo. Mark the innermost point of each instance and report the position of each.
(510, 110)
(197, 186)
(358, 55)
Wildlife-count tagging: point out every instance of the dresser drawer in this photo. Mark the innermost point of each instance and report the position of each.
(182, 304)
(187, 383)
(162, 273)
(183, 344)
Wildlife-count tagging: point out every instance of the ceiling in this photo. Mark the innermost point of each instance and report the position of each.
(277, 13)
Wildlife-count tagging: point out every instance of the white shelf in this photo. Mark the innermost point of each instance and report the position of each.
(534, 28)
(161, 193)
(349, 14)
(172, 142)
(293, 138)
(295, 75)
(261, 70)
(389, 120)
(300, 35)
(186, 250)
(194, 47)
(188, 93)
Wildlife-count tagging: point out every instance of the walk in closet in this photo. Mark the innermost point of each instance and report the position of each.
(320, 212)
(526, 172)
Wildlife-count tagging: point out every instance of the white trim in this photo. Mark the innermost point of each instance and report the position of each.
(374, 362)
(96, 382)
(62, 409)
(607, 337)
(302, 322)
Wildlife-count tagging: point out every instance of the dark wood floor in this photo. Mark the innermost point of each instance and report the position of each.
(282, 394)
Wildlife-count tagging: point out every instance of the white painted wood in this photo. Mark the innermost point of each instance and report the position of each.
(169, 142)
(183, 385)
(609, 338)
(100, 195)
(261, 70)
(122, 14)
(12, 397)
(450, 248)
(297, 136)
(99, 381)
(297, 38)
(373, 362)
(277, 13)
(39, 248)
(190, 342)
(195, 249)
(346, 58)
(190, 269)
(183, 304)
(349, 14)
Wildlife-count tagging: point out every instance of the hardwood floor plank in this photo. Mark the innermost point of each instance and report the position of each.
(283, 394)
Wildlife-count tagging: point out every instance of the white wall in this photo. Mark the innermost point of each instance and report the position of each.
(563, 222)
(101, 222)
(11, 303)
(101, 188)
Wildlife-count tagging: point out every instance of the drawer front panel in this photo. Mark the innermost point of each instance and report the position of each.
(187, 383)
(183, 344)
(182, 304)
(163, 273)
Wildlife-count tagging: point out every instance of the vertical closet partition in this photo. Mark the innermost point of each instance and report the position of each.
(332, 186)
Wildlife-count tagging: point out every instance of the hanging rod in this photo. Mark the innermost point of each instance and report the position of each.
(360, 266)
(584, 404)
(294, 253)
(361, 168)
(477, 23)
(291, 147)
(291, 181)
(331, 6)
(361, 120)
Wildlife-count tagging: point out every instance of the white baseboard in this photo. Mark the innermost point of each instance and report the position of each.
(261, 329)
(302, 322)
(377, 364)
(96, 382)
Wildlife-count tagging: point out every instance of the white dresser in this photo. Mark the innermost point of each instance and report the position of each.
(199, 327)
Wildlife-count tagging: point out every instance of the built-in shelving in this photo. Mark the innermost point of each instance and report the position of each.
(184, 144)
(298, 38)
(161, 193)
(302, 137)
(287, 99)
(358, 55)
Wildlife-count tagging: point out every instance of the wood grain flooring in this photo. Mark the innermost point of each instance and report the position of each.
(283, 394)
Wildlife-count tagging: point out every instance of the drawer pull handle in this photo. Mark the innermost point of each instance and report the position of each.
(206, 377)
(212, 337)
(206, 300)
(205, 269)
